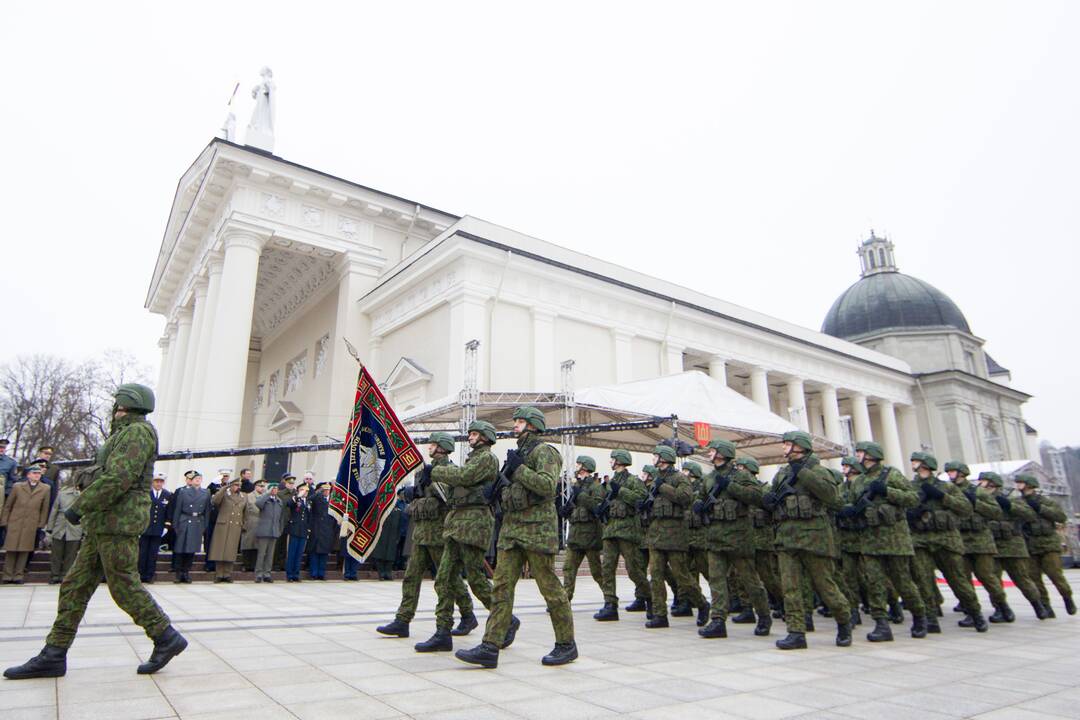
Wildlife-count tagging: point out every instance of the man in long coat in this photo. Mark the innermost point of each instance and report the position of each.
(190, 507)
(268, 528)
(26, 510)
(249, 549)
(232, 509)
(64, 538)
(324, 532)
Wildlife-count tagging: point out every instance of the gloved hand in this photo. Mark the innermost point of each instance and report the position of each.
(970, 495)
(769, 501)
(932, 491)
(877, 488)
(614, 486)
(795, 468)
(565, 511)
(1003, 502)
(847, 512)
(513, 461)
(722, 484)
(72, 516)
(425, 474)
(862, 505)
(657, 482)
(698, 507)
(913, 515)
(1034, 501)
(408, 493)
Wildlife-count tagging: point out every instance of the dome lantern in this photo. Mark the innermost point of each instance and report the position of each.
(876, 255)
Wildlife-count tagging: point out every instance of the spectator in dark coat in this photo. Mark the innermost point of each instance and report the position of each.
(299, 528)
(385, 551)
(190, 505)
(160, 520)
(324, 532)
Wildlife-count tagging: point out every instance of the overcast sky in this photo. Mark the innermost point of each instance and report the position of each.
(742, 149)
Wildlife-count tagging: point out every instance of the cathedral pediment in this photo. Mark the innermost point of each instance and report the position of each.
(285, 417)
(405, 374)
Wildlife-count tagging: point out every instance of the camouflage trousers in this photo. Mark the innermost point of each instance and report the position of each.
(1048, 564)
(571, 563)
(882, 571)
(852, 578)
(659, 562)
(745, 577)
(1019, 572)
(798, 566)
(423, 558)
(116, 556)
(955, 572)
(765, 563)
(697, 564)
(982, 566)
(508, 567)
(635, 568)
(455, 558)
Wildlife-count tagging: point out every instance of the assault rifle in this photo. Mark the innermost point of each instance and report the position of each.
(645, 506)
(571, 502)
(603, 510)
(704, 509)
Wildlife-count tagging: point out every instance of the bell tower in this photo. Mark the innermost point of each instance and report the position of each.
(876, 255)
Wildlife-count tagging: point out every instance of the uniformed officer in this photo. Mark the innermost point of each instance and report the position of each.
(622, 537)
(583, 541)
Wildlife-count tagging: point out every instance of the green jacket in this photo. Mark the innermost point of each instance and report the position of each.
(882, 527)
(469, 520)
(1008, 532)
(696, 533)
(623, 521)
(975, 529)
(934, 522)
(761, 519)
(1041, 532)
(427, 514)
(802, 518)
(117, 502)
(585, 530)
(731, 527)
(667, 523)
(848, 538)
(528, 504)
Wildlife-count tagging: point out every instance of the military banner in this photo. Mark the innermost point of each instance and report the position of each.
(377, 456)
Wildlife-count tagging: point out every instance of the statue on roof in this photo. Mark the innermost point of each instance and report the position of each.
(260, 131)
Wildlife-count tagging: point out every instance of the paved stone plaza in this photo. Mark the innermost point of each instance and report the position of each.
(310, 651)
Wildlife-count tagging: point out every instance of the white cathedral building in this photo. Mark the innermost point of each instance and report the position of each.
(266, 266)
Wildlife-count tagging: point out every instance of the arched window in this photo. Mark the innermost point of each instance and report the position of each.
(881, 256)
(872, 263)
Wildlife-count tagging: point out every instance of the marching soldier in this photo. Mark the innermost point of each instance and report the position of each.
(765, 561)
(622, 537)
(979, 547)
(583, 541)
(529, 534)
(847, 537)
(802, 493)
(697, 546)
(1043, 541)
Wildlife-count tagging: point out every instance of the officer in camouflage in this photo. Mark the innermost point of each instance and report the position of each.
(1012, 553)
(765, 560)
(427, 510)
(848, 540)
(529, 534)
(802, 493)
(1043, 541)
(584, 539)
(666, 537)
(979, 547)
(697, 547)
(724, 503)
(116, 507)
(622, 537)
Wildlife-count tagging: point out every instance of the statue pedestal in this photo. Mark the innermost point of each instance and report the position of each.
(259, 139)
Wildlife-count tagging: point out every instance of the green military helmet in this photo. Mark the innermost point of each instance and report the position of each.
(726, 448)
(136, 397)
(622, 457)
(749, 463)
(991, 477)
(1029, 480)
(486, 430)
(531, 415)
(870, 449)
(918, 456)
(445, 441)
(958, 467)
(650, 470)
(693, 468)
(838, 477)
(665, 453)
(799, 438)
(929, 461)
(851, 461)
(587, 463)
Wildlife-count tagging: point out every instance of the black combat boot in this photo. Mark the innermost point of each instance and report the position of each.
(683, 609)
(703, 615)
(465, 626)
(715, 629)
(50, 662)
(843, 635)
(167, 645)
(512, 632)
(1050, 614)
(856, 617)
(639, 605)
(793, 641)
(918, 626)
(1070, 606)
(764, 625)
(648, 610)
(958, 608)
(881, 632)
(979, 621)
(441, 641)
(1003, 614)
(608, 613)
(657, 621)
(485, 655)
(1040, 610)
(933, 627)
(561, 654)
(746, 617)
(809, 622)
(896, 613)
(395, 628)
(824, 611)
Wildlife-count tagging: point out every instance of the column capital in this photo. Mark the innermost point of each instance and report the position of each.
(215, 262)
(241, 235)
(184, 315)
(199, 287)
(163, 341)
(353, 262)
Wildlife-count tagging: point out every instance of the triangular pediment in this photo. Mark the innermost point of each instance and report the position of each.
(285, 417)
(406, 372)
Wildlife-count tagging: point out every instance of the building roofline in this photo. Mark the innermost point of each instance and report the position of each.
(977, 380)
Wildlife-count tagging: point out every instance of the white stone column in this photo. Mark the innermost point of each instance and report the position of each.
(860, 418)
(544, 362)
(718, 368)
(909, 429)
(796, 401)
(759, 386)
(187, 419)
(468, 321)
(813, 411)
(171, 395)
(356, 278)
(204, 353)
(163, 379)
(623, 352)
(830, 408)
(890, 439)
(672, 358)
(223, 394)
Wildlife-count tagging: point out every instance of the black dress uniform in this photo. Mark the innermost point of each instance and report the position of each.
(150, 540)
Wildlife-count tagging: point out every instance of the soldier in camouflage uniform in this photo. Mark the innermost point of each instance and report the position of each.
(979, 547)
(1043, 541)
(766, 563)
(529, 534)
(876, 507)
(1012, 553)
(936, 537)
(116, 507)
(725, 502)
(697, 546)
(622, 537)
(427, 512)
(847, 537)
(802, 493)
(584, 538)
